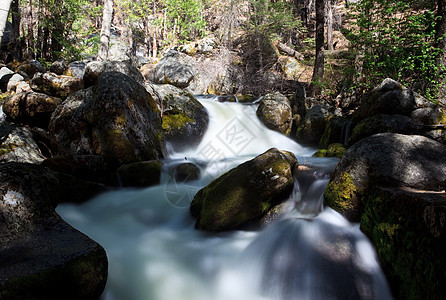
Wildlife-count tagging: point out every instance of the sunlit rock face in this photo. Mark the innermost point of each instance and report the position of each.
(275, 112)
(116, 119)
(246, 192)
(41, 256)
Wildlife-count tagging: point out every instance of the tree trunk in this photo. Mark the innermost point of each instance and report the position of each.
(318, 72)
(17, 52)
(105, 31)
(4, 12)
(330, 5)
(30, 49)
(441, 31)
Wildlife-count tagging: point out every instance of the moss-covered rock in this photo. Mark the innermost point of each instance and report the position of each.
(313, 125)
(385, 159)
(94, 70)
(246, 192)
(407, 227)
(185, 119)
(41, 256)
(336, 131)
(116, 119)
(140, 174)
(275, 112)
(186, 172)
(333, 150)
(175, 68)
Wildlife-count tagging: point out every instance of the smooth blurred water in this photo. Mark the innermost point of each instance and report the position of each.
(155, 252)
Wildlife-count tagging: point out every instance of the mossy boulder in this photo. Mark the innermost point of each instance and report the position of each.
(41, 256)
(186, 172)
(385, 159)
(140, 174)
(184, 120)
(245, 193)
(333, 150)
(313, 125)
(275, 112)
(407, 227)
(116, 119)
(33, 109)
(60, 86)
(383, 123)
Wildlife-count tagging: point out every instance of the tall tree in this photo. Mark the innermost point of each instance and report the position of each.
(441, 31)
(318, 71)
(105, 31)
(4, 12)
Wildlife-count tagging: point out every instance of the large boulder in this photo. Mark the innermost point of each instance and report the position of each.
(5, 76)
(385, 159)
(41, 256)
(275, 112)
(185, 119)
(175, 68)
(140, 174)
(60, 86)
(30, 68)
(312, 127)
(246, 192)
(116, 119)
(383, 123)
(407, 228)
(338, 130)
(95, 69)
(33, 109)
(17, 144)
(389, 98)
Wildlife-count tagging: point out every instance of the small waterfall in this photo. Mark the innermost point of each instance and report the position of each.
(346, 132)
(155, 253)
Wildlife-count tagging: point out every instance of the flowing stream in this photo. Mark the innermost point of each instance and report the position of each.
(155, 252)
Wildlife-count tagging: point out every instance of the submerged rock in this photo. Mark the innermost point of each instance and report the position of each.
(41, 256)
(140, 174)
(246, 192)
(31, 108)
(117, 119)
(275, 112)
(385, 159)
(185, 119)
(186, 172)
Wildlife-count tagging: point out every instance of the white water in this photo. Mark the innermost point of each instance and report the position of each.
(155, 253)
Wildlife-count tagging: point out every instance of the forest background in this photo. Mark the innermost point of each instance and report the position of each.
(362, 42)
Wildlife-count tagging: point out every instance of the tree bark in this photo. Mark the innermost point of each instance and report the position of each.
(318, 71)
(330, 5)
(105, 31)
(4, 12)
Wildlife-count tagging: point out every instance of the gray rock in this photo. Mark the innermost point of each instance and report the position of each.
(76, 69)
(390, 98)
(186, 172)
(117, 119)
(389, 160)
(95, 69)
(5, 76)
(275, 112)
(175, 68)
(312, 127)
(31, 67)
(140, 174)
(31, 108)
(60, 86)
(58, 67)
(13, 82)
(18, 145)
(41, 256)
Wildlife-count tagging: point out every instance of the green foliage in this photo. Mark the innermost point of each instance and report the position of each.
(397, 39)
(186, 19)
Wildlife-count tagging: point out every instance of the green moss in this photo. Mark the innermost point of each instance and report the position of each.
(114, 147)
(176, 121)
(340, 193)
(320, 153)
(336, 150)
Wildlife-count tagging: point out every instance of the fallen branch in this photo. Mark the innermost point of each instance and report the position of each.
(288, 50)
